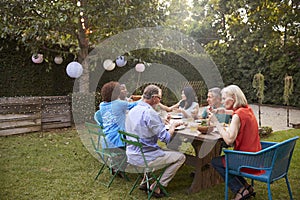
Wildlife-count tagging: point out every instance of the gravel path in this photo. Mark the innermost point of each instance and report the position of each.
(275, 117)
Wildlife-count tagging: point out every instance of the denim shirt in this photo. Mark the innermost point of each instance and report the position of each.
(145, 122)
(112, 119)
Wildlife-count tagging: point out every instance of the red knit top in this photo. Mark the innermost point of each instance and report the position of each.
(248, 136)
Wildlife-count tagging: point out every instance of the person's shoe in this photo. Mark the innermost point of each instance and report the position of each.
(245, 194)
(251, 190)
(158, 195)
(143, 186)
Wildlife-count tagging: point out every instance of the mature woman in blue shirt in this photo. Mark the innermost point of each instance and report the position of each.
(113, 113)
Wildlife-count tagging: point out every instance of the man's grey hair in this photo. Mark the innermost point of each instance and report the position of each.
(216, 92)
(150, 90)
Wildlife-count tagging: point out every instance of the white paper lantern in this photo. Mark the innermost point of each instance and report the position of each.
(140, 67)
(120, 61)
(109, 65)
(37, 58)
(58, 60)
(74, 69)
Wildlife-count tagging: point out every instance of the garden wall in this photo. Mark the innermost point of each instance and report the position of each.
(30, 114)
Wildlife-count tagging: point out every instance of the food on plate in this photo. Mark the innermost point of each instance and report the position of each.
(204, 127)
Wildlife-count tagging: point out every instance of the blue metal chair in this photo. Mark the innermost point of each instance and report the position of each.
(274, 159)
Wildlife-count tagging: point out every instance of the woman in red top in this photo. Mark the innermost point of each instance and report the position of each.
(242, 134)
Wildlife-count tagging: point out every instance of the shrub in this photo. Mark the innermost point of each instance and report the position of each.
(265, 131)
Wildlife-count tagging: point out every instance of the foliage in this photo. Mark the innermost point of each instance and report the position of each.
(21, 77)
(265, 131)
(73, 26)
(243, 37)
(253, 36)
(56, 165)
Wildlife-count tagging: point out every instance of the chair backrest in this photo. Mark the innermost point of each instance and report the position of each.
(282, 158)
(265, 144)
(98, 117)
(97, 136)
(132, 139)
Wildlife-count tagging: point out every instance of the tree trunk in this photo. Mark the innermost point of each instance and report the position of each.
(83, 53)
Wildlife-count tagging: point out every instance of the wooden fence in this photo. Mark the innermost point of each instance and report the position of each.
(30, 114)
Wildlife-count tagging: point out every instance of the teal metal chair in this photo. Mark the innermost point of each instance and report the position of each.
(113, 159)
(145, 170)
(274, 159)
(98, 118)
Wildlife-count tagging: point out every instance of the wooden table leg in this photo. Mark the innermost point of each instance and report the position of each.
(205, 175)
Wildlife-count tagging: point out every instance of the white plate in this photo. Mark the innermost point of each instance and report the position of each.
(198, 120)
(177, 128)
(176, 116)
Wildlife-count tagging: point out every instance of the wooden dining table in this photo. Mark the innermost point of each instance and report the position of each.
(206, 146)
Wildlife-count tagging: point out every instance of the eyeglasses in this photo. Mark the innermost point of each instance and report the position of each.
(157, 96)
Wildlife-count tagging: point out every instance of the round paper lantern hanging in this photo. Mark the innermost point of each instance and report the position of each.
(140, 67)
(109, 65)
(74, 69)
(58, 60)
(120, 61)
(37, 58)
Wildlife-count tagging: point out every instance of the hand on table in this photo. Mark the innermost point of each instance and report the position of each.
(167, 119)
(173, 126)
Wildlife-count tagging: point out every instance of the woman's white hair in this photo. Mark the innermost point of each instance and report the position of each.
(237, 94)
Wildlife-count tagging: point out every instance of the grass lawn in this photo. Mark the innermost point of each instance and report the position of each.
(56, 165)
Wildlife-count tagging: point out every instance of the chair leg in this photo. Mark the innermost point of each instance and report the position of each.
(157, 180)
(135, 183)
(100, 171)
(269, 191)
(289, 187)
(112, 179)
(226, 186)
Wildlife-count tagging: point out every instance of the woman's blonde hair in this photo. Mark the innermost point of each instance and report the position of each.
(237, 94)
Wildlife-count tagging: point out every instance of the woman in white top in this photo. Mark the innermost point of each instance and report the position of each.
(188, 104)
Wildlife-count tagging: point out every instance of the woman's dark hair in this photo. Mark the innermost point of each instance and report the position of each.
(190, 97)
(110, 91)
